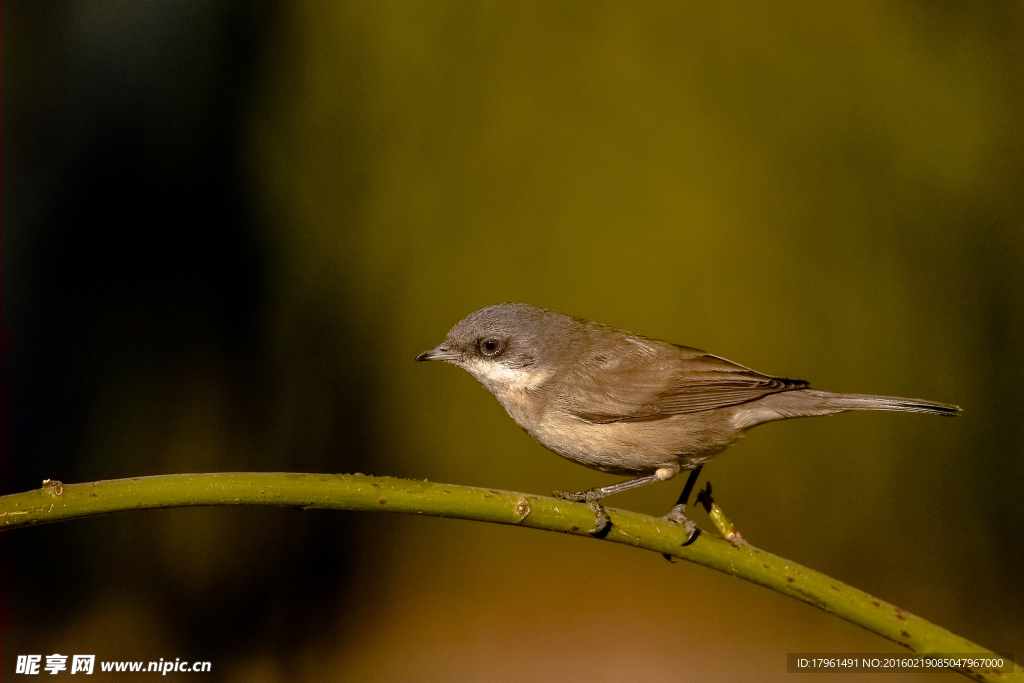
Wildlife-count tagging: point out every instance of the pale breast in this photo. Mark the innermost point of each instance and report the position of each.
(633, 447)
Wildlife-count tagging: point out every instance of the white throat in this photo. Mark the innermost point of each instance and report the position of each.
(501, 380)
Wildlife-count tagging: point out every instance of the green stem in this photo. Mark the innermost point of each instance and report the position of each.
(55, 502)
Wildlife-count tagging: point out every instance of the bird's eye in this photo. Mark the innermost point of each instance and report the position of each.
(489, 347)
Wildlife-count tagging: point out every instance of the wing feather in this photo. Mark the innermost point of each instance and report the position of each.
(634, 378)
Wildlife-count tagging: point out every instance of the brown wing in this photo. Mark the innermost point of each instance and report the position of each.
(632, 378)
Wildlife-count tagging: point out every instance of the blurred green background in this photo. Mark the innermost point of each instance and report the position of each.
(230, 226)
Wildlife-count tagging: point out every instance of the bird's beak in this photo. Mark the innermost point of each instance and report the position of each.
(438, 353)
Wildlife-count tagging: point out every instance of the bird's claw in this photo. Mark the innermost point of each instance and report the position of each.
(677, 515)
(602, 523)
(589, 496)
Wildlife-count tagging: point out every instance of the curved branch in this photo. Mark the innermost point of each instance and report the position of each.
(55, 502)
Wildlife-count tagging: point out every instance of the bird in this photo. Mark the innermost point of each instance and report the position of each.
(627, 404)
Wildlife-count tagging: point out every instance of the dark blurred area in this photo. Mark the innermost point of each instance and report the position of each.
(138, 279)
(228, 227)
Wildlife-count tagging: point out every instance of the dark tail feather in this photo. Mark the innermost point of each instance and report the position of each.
(830, 402)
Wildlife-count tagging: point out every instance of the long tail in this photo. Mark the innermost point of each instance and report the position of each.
(808, 402)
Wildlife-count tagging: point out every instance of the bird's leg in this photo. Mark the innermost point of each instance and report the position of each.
(592, 496)
(722, 523)
(678, 512)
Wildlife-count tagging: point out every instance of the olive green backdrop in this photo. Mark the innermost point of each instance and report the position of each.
(229, 227)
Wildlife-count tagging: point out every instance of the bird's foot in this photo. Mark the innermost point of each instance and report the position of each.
(588, 496)
(602, 523)
(677, 515)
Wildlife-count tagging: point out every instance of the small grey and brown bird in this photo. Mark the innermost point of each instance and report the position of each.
(626, 404)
